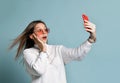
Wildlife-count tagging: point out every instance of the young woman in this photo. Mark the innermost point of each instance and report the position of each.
(45, 63)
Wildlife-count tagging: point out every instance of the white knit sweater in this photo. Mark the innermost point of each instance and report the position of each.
(49, 67)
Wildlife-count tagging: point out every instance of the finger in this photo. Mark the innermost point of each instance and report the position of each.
(88, 30)
(86, 24)
(34, 35)
(86, 21)
(36, 38)
(39, 40)
(88, 27)
(89, 23)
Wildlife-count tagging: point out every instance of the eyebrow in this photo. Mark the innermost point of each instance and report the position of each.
(39, 28)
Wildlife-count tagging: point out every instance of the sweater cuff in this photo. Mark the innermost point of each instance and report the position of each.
(88, 43)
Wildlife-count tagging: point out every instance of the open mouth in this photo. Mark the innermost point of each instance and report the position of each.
(44, 37)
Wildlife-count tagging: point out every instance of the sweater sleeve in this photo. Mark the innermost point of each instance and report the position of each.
(78, 53)
(37, 64)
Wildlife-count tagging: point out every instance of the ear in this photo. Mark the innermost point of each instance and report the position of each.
(31, 36)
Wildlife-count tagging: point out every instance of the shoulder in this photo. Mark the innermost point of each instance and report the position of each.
(30, 51)
(54, 46)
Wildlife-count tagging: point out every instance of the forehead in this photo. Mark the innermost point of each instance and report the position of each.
(40, 26)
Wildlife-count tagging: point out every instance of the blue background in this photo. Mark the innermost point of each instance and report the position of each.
(63, 17)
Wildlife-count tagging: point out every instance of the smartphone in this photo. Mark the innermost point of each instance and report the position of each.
(85, 17)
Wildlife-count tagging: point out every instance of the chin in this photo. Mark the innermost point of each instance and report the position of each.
(45, 41)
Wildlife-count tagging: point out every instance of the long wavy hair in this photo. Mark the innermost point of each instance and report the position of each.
(23, 40)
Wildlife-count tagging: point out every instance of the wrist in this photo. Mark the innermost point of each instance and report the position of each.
(91, 40)
(44, 49)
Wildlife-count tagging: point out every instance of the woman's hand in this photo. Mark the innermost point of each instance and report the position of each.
(91, 28)
(40, 43)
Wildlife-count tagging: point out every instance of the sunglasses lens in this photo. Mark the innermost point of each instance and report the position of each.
(47, 30)
(40, 31)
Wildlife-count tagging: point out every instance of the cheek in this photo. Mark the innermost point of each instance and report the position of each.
(39, 36)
